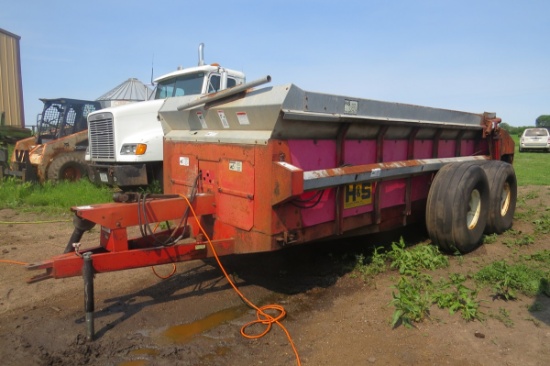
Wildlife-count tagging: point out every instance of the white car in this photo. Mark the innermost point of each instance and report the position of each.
(535, 139)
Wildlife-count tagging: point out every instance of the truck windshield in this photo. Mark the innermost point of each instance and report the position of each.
(179, 86)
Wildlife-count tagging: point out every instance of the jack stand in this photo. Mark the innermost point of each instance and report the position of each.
(88, 274)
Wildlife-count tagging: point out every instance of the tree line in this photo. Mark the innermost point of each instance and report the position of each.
(541, 121)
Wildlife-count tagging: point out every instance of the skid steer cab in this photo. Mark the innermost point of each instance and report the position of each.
(56, 152)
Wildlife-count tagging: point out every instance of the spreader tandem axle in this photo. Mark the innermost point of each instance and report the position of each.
(255, 170)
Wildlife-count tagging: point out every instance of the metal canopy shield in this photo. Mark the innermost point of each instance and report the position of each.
(287, 111)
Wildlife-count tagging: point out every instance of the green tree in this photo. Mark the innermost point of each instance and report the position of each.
(505, 126)
(543, 121)
(512, 130)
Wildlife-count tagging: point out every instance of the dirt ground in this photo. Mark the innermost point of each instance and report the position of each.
(194, 317)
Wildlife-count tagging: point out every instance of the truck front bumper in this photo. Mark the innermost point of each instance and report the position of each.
(118, 175)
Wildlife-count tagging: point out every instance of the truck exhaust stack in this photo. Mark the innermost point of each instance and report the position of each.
(201, 54)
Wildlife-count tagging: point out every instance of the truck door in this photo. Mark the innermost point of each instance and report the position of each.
(216, 83)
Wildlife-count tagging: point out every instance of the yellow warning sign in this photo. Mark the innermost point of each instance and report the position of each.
(357, 194)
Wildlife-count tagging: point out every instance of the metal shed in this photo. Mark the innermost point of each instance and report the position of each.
(11, 84)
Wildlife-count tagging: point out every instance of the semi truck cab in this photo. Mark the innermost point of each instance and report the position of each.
(125, 142)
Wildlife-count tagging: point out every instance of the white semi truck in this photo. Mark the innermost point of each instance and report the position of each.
(125, 142)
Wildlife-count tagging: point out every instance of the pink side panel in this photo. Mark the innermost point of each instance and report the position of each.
(467, 147)
(392, 193)
(395, 150)
(313, 155)
(483, 147)
(446, 148)
(321, 154)
(359, 152)
(423, 149)
(420, 185)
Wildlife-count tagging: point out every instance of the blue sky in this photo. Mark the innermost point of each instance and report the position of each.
(466, 55)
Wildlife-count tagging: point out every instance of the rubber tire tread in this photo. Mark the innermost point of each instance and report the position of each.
(498, 173)
(63, 161)
(447, 206)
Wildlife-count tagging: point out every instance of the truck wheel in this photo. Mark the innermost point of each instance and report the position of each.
(457, 207)
(503, 189)
(69, 166)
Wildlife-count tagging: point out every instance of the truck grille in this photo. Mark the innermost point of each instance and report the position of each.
(102, 142)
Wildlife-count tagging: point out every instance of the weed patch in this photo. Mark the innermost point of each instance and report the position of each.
(369, 267)
(519, 241)
(506, 279)
(416, 291)
(503, 316)
(410, 262)
(542, 225)
(457, 297)
(490, 239)
(412, 300)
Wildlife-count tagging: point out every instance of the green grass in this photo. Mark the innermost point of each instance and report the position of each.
(530, 277)
(531, 167)
(50, 198)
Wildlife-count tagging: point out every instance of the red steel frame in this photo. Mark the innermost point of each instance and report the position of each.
(117, 252)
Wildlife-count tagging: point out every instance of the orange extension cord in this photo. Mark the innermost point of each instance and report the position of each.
(263, 317)
(13, 262)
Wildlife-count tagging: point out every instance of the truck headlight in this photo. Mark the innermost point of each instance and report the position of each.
(133, 149)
